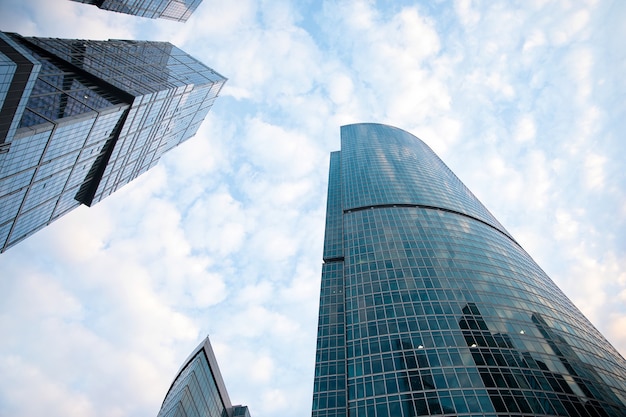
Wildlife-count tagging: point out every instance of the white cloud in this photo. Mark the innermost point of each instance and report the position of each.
(538, 181)
(217, 223)
(43, 18)
(616, 326)
(534, 40)
(254, 294)
(570, 27)
(441, 134)
(255, 320)
(280, 152)
(392, 62)
(566, 227)
(260, 49)
(341, 89)
(20, 380)
(274, 400)
(594, 170)
(467, 15)
(47, 298)
(581, 63)
(525, 129)
(262, 369)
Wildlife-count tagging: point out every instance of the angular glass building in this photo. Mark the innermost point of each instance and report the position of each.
(429, 306)
(79, 119)
(198, 389)
(178, 10)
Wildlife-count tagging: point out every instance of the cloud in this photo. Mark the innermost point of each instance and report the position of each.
(525, 129)
(47, 298)
(262, 370)
(341, 89)
(406, 89)
(261, 50)
(257, 320)
(467, 15)
(279, 151)
(274, 400)
(42, 18)
(20, 380)
(594, 169)
(566, 227)
(616, 326)
(535, 39)
(571, 25)
(216, 222)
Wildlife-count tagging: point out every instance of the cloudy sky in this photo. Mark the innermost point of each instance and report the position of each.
(525, 101)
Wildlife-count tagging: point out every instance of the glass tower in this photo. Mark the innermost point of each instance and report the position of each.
(428, 306)
(178, 10)
(198, 389)
(79, 119)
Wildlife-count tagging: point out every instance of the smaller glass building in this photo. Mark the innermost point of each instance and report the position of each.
(178, 10)
(198, 389)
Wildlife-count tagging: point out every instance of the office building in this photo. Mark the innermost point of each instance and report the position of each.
(79, 119)
(178, 10)
(428, 306)
(198, 389)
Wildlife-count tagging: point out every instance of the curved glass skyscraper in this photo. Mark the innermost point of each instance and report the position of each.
(429, 306)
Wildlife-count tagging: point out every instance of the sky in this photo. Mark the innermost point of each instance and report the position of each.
(524, 100)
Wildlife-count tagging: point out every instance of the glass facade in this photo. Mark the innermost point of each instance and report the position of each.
(80, 119)
(178, 10)
(198, 390)
(429, 307)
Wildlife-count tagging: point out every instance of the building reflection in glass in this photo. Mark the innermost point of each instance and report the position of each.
(519, 383)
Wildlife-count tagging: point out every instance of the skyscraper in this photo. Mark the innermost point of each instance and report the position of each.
(198, 389)
(79, 119)
(428, 306)
(179, 10)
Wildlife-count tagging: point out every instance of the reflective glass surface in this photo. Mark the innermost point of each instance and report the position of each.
(179, 10)
(60, 92)
(241, 411)
(7, 71)
(96, 115)
(198, 390)
(194, 393)
(431, 308)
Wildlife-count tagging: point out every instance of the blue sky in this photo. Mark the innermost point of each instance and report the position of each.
(525, 101)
